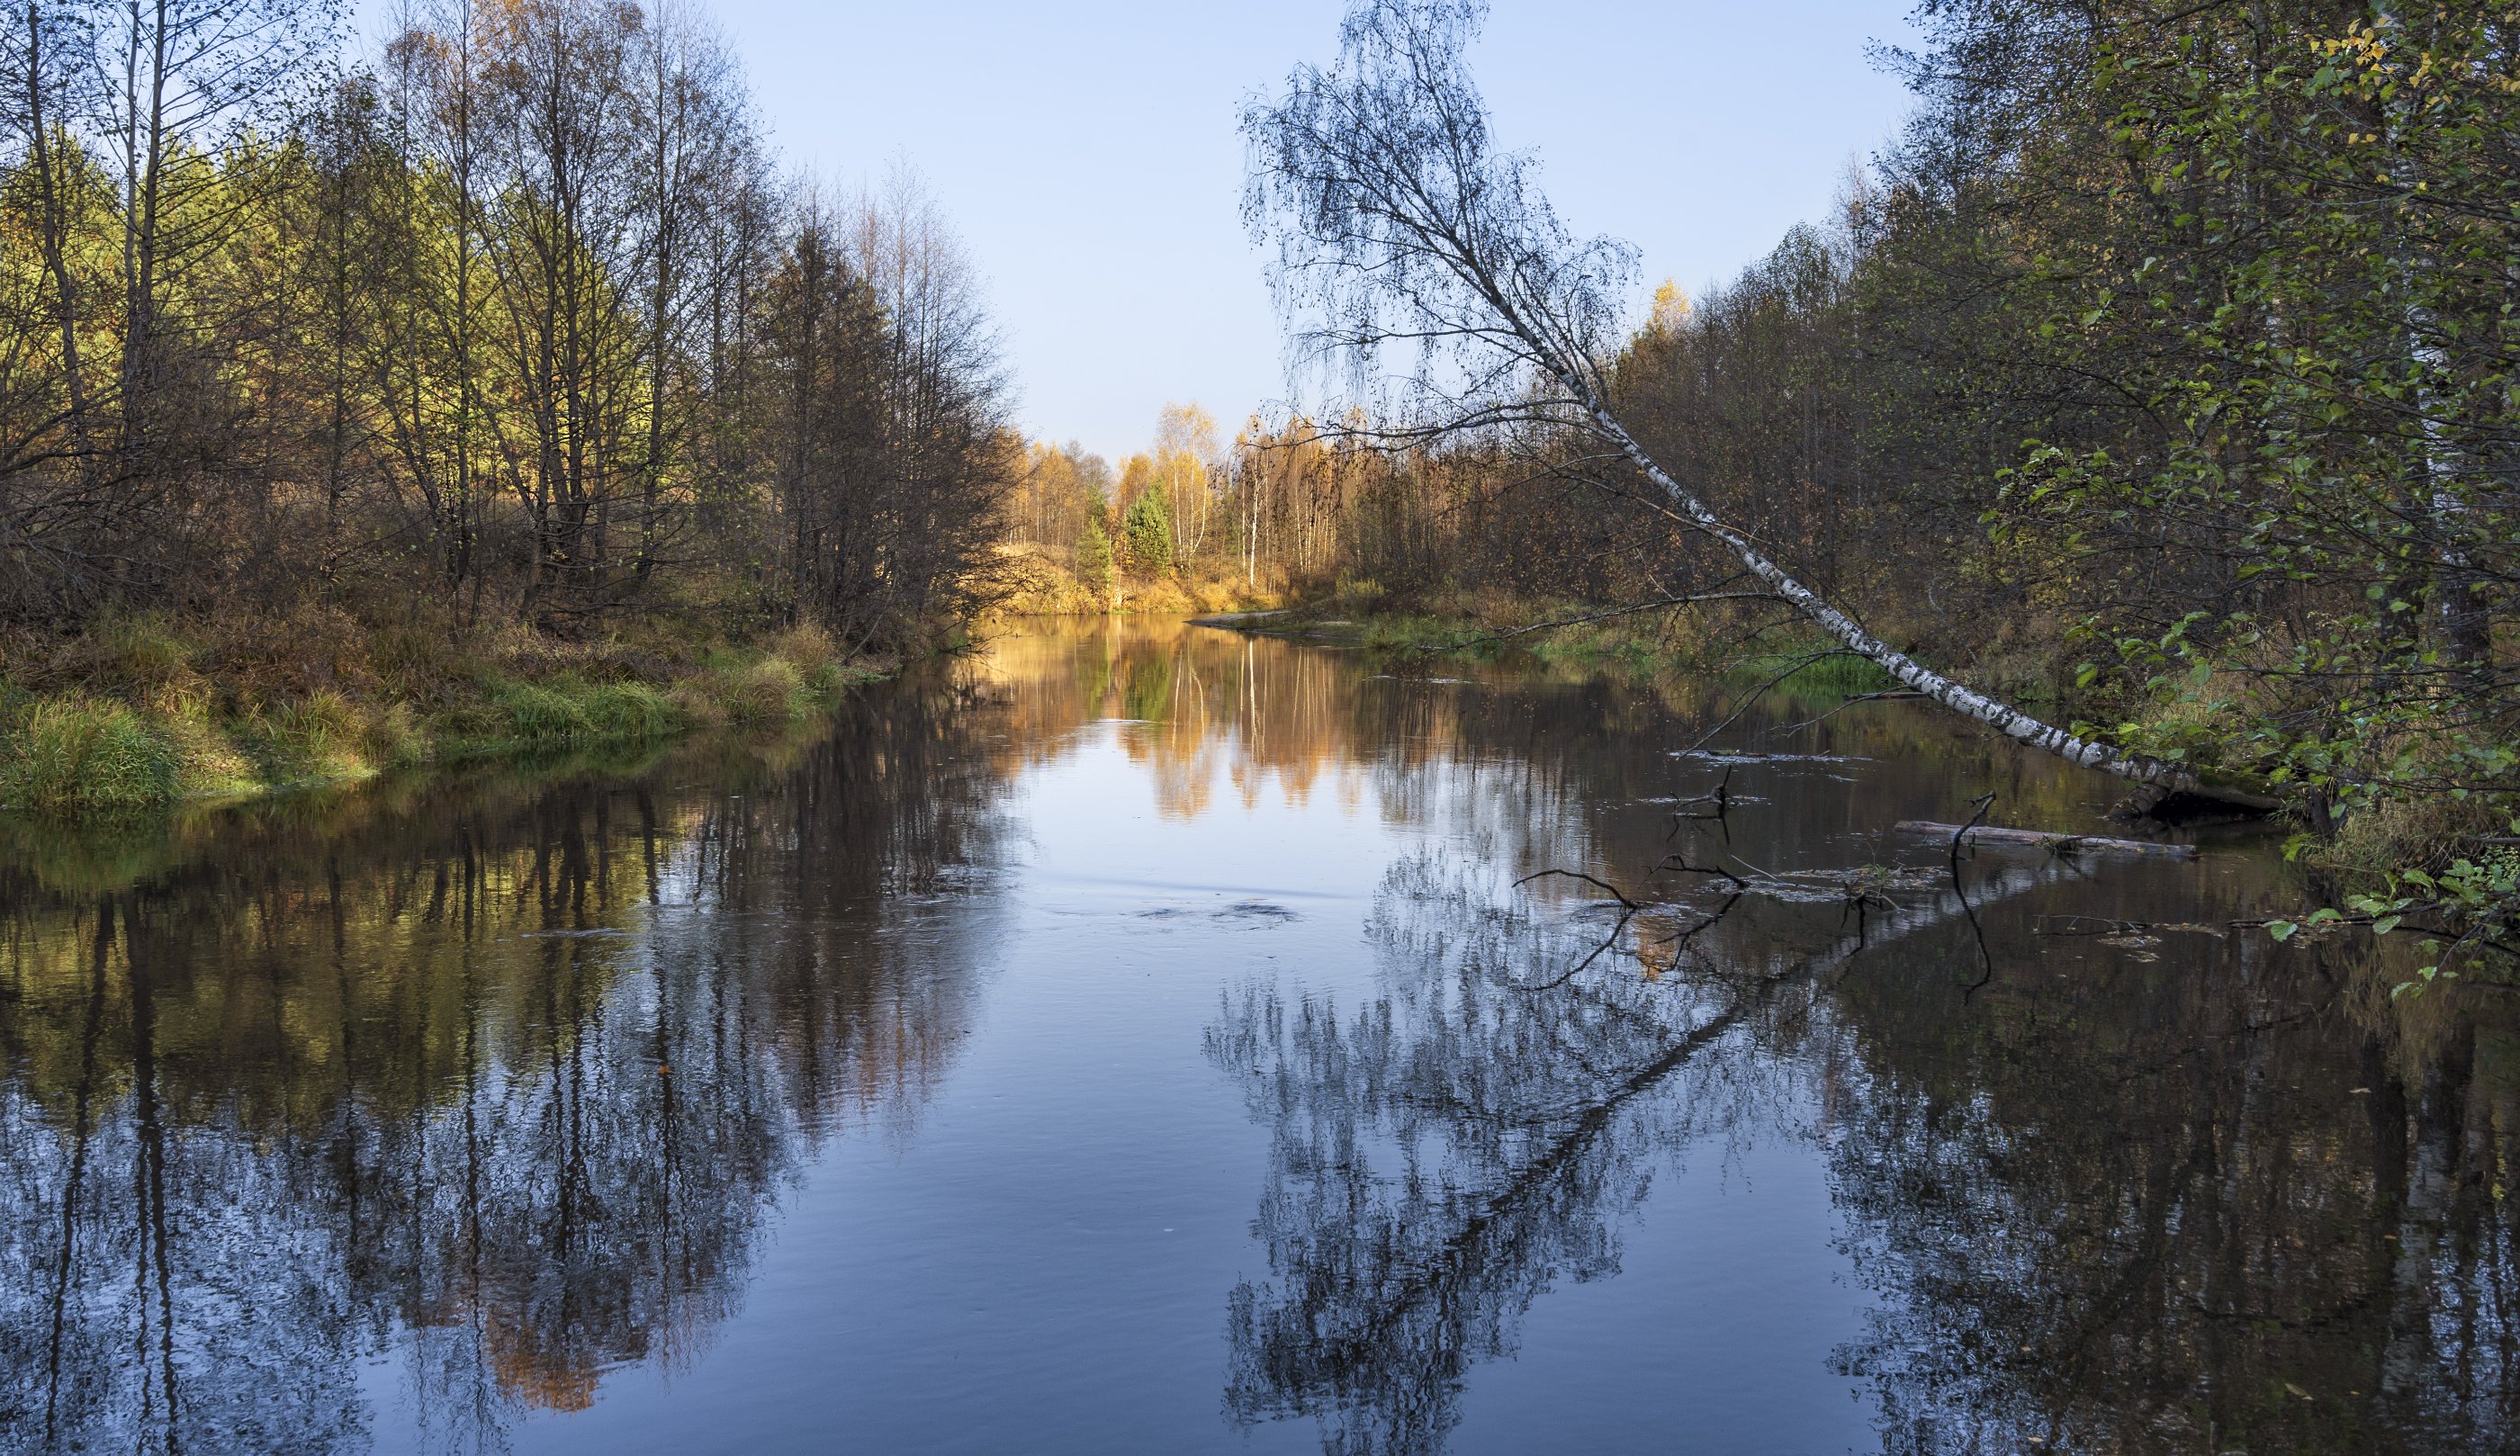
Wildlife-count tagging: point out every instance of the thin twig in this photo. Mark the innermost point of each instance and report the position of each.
(1577, 874)
(1761, 692)
(1986, 958)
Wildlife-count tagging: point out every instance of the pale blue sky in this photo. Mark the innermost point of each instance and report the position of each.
(1086, 153)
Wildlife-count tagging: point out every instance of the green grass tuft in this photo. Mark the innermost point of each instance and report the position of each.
(565, 712)
(1842, 676)
(77, 755)
(770, 690)
(542, 716)
(630, 712)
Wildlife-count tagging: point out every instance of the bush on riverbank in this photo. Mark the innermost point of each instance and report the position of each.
(141, 712)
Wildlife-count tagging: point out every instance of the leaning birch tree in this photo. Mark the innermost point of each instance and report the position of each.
(1401, 226)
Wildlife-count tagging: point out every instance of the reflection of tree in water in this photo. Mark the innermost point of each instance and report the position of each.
(2177, 1213)
(2112, 1201)
(1442, 1156)
(1437, 1160)
(513, 1084)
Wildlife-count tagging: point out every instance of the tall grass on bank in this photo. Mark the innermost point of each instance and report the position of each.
(147, 729)
(1807, 673)
(78, 755)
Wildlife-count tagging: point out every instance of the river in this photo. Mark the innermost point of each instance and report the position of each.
(1139, 1037)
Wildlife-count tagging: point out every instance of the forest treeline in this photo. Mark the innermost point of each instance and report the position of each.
(519, 320)
(2168, 361)
(2161, 371)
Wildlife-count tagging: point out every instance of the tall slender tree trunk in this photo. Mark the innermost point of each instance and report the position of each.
(460, 564)
(51, 225)
(143, 185)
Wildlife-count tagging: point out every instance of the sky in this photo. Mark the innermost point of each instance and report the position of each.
(1086, 150)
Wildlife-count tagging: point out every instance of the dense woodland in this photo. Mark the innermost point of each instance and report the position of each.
(2170, 359)
(1286, 507)
(2160, 373)
(2170, 356)
(517, 321)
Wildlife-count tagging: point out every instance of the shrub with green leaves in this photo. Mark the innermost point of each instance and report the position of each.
(1094, 558)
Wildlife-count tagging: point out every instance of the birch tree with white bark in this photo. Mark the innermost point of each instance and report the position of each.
(1402, 227)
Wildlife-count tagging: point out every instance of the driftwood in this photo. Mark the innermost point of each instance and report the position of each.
(2061, 842)
(1238, 619)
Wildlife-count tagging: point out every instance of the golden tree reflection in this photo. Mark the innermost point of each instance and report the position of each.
(519, 1071)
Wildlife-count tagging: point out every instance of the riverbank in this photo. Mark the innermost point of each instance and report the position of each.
(145, 712)
(1569, 634)
(2457, 850)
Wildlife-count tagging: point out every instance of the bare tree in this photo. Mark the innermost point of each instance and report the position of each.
(695, 145)
(195, 77)
(557, 95)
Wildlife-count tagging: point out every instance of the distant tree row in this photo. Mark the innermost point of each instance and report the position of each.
(519, 320)
(1292, 506)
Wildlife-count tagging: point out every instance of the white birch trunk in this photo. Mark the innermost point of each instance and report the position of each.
(2003, 718)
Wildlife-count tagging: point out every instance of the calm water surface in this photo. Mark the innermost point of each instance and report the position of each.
(1144, 1039)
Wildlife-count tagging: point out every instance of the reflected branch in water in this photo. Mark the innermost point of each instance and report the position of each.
(1439, 1159)
(1443, 1156)
(1978, 808)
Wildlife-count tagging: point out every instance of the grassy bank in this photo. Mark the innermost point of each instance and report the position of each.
(2460, 842)
(1486, 627)
(144, 712)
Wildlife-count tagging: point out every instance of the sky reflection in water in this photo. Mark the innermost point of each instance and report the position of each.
(1137, 1039)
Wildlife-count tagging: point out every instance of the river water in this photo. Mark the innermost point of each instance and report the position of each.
(1144, 1039)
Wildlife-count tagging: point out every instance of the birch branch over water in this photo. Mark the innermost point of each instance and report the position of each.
(1995, 712)
(1399, 224)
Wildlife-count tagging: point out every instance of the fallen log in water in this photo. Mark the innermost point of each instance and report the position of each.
(2060, 843)
(1239, 619)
